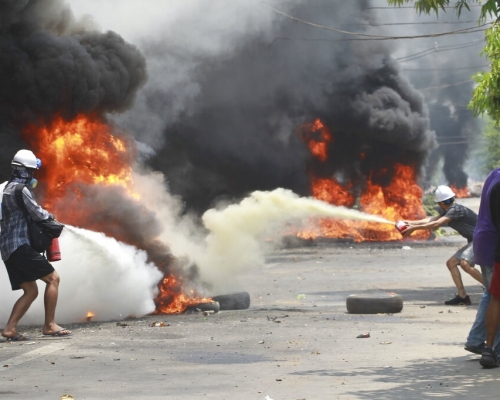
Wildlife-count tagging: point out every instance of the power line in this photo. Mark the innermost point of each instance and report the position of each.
(449, 137)
(437, 49)
(398, 7)
(366, 36)
(445, 69)
(445, 86)
(417, 23)
(453, 143)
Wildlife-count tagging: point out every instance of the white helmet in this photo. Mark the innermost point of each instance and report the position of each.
(443, 193)
(27, 159)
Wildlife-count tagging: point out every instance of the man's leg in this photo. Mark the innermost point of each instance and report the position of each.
(50, 301)
(22, 305)
(476, 274)
(477, 334)
(452, 265)
(489, 357)
(492, 320)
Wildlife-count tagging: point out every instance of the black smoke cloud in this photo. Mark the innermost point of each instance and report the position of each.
(54, 66)
(239, 131)
(224, 122)
(441, 68)
(51, 65)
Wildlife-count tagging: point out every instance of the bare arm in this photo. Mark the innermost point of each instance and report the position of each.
(432, 224)
(420, 221)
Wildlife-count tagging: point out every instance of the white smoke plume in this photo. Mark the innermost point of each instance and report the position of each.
(236, 237)
(240, 234)
(99, 275)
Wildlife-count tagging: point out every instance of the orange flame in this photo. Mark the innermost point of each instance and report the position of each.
(172, 299)
(401, 199)
(460, 193)
(85, 150)
(318, 137)
(331, 191)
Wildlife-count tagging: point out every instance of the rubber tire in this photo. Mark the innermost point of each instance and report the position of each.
(379, 303)
(235, 301)
(209, 306)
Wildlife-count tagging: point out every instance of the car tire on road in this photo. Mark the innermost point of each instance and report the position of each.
(235, 301)
(375, 303)
(213, 306)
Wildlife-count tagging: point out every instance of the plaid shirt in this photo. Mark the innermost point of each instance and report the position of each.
(14, 227)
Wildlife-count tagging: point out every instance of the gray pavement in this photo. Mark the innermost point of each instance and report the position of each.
(296, 341)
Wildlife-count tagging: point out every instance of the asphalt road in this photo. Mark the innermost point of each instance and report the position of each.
(296, 341)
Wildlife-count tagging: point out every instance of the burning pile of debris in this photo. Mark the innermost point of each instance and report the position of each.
(400, 197)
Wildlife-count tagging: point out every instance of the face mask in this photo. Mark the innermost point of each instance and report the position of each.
(33, 183)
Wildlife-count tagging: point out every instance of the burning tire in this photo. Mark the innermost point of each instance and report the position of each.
(235, 301)
(379, 303)
(209, 306)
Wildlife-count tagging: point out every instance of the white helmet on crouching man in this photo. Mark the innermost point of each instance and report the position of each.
(444, 193)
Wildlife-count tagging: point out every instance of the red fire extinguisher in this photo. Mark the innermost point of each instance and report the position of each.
(54, 252)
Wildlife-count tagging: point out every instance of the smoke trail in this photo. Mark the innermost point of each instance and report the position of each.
(98, 274)
(239, 233)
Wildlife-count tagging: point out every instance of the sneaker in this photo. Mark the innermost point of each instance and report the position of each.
(489, 358)
(458, 301)
(475, 349)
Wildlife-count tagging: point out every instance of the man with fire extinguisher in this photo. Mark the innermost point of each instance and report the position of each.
(24, 264)
(463, 220)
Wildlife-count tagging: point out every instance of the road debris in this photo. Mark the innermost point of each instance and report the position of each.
(157, 324)
(363, 335)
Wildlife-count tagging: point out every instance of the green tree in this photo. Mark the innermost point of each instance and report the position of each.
(486, 95)
(492, 146)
